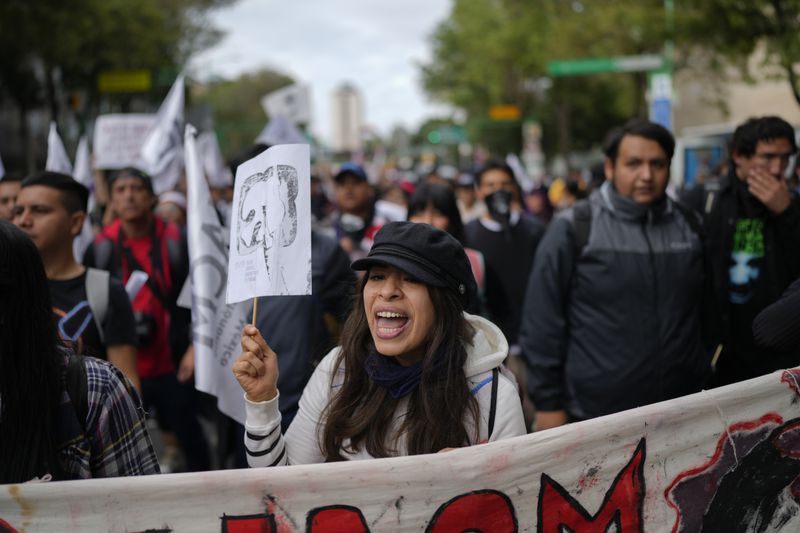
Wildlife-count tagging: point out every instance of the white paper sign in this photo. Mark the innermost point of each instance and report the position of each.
(119, 138)
(135, 283)
(270, 251)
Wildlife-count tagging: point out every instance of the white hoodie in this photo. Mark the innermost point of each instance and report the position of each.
(266, 446)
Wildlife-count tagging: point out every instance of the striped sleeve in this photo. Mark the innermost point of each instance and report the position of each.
(265, 444)
(263, 439)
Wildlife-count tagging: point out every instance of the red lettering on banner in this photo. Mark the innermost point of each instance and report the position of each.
(256, 523)
(336, 518)
(485, 511)
(622, 504)
(5, 527)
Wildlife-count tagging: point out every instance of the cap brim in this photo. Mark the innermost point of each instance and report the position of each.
(408, 266)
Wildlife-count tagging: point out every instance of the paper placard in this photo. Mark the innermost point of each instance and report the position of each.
(118, 139)
(270, 239)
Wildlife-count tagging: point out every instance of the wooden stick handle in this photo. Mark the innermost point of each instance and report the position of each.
(255, 309)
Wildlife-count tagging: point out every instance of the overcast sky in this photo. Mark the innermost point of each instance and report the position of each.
(374, 45)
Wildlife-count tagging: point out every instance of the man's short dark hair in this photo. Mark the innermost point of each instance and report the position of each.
(131, 172)
(11, 178)
(74, 196)
(747, 135)
(494, 164)
(639, 128)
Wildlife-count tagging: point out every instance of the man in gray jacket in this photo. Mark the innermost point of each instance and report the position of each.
(612, 316)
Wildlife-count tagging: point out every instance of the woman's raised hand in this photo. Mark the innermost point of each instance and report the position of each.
(256, 369)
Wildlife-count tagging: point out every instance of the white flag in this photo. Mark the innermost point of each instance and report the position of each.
(293, 102)
(280, 130)
(57, 158)
(83, 175)
(525, 181)
(216, 327)
(162, 151)
(217, 172)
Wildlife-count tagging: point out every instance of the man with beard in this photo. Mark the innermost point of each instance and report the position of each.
(612, 315)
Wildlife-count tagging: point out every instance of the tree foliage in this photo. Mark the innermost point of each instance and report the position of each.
(51, 44)
(236, 106)
(730, 32)
(491, 52)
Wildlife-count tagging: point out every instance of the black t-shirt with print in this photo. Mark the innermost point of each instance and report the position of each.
(76, 324)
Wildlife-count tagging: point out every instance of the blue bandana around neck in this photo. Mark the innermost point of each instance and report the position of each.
(399, 380)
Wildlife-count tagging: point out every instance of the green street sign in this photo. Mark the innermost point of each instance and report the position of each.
(582, 67)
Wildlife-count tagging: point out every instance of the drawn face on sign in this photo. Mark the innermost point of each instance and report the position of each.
(261, 220)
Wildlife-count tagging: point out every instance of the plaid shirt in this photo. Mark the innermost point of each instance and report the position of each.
(113, 441)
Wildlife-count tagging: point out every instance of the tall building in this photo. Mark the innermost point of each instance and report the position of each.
(347, 119)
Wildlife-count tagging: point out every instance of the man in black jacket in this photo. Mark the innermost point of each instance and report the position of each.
(612, 310)
(752, 242)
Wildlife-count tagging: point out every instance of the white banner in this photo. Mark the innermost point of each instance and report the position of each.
(57, 158)
(216, 327)
(270, 252)
(118, 139)
(725, 460)
(293, 102)
(162, 150)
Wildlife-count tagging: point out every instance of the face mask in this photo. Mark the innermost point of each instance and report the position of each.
(351, 223)
(499, 205)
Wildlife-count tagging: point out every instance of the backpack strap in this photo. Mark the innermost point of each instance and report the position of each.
(691, 217)
(581, 224)
(493, 406)
(78, 387)
(102, 256)
(97, 289)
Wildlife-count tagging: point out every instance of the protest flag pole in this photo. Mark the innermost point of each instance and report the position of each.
(255, 308)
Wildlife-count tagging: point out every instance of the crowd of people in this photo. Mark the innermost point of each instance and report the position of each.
(447, 309)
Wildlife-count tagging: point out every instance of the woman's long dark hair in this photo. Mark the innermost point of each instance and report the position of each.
(30, 362)
(439, 410)
(443, 199)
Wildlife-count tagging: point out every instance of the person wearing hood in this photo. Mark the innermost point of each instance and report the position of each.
(612, 316)
(413, 374)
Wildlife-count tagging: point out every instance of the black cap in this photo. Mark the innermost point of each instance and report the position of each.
(350, 169)
(428, 254)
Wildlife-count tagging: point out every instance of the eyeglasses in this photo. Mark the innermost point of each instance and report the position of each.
(769, 157)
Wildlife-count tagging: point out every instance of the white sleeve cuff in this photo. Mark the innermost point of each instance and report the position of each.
(262, 414)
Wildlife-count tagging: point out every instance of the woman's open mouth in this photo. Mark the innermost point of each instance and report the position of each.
(389, 324)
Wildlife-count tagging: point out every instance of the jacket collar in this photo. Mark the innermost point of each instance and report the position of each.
(627, 209)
